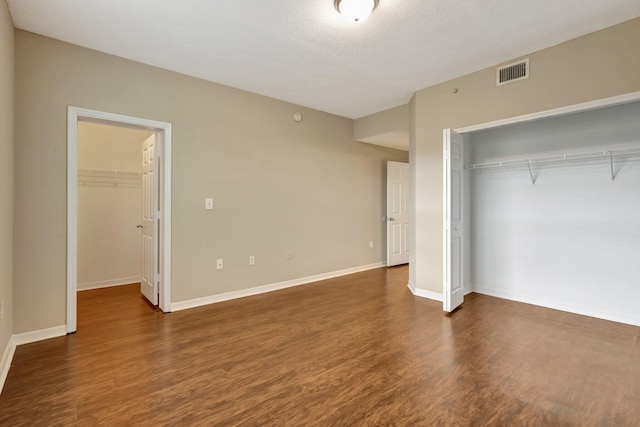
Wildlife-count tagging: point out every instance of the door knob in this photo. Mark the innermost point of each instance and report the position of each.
(392, 219)
(139, 226)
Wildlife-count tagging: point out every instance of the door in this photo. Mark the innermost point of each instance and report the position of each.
(397, 213)
(453, 292)
(149, 281)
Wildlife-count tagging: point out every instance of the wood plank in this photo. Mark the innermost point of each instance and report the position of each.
(356, 350)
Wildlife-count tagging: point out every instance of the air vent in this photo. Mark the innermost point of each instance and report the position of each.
(512, 72)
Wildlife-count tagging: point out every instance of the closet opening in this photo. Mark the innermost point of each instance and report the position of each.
(119, 214)
(547, 210)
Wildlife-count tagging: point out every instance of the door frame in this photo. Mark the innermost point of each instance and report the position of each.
(74, 115)
(546, 114)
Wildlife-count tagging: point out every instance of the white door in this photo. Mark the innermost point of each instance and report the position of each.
(397, 213)
(149, 282)
(453, 292)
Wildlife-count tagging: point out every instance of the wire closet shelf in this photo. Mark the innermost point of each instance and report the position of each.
(533, 161)
(108, 178)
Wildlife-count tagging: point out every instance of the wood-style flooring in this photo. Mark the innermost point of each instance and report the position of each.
(359, 350)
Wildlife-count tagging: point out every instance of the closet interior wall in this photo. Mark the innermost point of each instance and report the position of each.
(570, 240)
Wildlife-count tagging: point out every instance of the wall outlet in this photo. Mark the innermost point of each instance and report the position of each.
(371, 244)
(252, 260)
(219, 264)
(289, 255)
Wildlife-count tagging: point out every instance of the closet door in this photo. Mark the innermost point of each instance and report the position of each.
(149, 280)
(453, 293)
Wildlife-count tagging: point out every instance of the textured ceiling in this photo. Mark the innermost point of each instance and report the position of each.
(302, 51)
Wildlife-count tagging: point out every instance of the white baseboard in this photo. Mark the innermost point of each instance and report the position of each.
(5, 363)
(108, 283)
(25, 338)
(40, 335)
(423, 293)
(198, 302)
(614, 317)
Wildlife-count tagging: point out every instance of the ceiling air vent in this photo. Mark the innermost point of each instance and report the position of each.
(512, 72)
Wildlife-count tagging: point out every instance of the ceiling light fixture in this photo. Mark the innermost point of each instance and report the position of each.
(355, 10)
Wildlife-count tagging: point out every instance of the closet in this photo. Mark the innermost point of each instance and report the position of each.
(552, 212)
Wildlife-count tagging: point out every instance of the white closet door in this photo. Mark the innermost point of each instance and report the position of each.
(397, 213)
(453, 293)
(149, 282)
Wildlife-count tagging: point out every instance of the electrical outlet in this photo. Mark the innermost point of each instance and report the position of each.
(371, 244)
(289, 255)
(252, 260)
(219, 264)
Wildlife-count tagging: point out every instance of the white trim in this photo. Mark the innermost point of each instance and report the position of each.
(5, 363)
(108, 283)
(411, 287)
(562, 307)
(165, 275)
(73, 115)
(446, 202)
(423, 293)
(576, 108)
(212, 299)
(72, 217)
(40, 335)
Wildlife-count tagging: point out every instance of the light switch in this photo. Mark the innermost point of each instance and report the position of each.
(208, 204)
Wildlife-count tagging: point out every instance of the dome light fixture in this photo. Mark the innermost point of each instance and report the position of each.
(355, 10)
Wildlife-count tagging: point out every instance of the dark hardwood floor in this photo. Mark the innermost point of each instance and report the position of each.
(357, 350)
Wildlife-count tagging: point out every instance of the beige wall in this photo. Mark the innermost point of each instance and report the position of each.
(596, 66)
(391, 120)
(388, 128)
(277, 185)
(6, 172)
(109, 207)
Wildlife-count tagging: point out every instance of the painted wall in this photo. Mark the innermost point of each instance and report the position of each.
(572, 240)
(6, 173)
(388, 128)
(109, 208)
(277, 185)
(595, 66)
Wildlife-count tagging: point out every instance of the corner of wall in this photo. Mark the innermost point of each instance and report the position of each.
(7, 138)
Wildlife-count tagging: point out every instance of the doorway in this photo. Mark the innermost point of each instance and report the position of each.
(158, 255)
(109, 205)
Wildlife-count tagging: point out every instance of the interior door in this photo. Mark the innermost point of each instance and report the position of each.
(397, 213)
(149, 282)
(453, 291)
